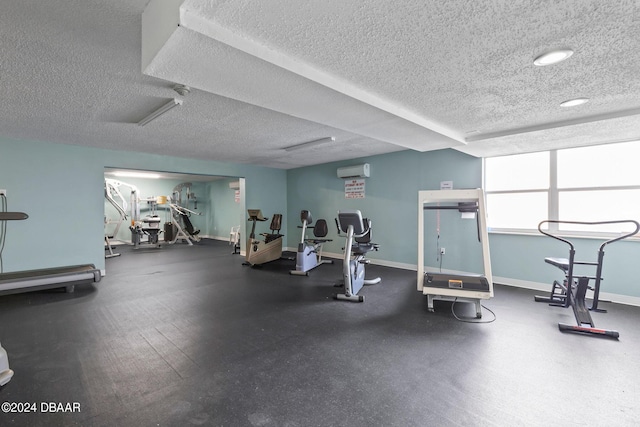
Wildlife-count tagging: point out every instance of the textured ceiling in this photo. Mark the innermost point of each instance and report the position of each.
(379, 76)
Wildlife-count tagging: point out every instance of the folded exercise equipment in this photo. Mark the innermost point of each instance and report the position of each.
(573, 288)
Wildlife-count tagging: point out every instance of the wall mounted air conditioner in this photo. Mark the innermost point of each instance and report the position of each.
(234, 185)
(355, 171)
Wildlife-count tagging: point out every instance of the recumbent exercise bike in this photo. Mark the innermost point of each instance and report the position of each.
(309, 254)
(357, 244)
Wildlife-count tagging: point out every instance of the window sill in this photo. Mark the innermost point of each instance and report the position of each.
(565, 234)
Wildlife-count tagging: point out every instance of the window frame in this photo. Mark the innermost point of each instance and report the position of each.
(553, 202)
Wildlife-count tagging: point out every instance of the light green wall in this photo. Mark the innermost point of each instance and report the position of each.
(522, 257)
(225, 212)
(391, 195)
(61, 188)
(391, 203)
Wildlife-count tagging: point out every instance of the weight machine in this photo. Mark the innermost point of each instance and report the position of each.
(573, 289)
(114, 196)
(181, 226)
(148, 226)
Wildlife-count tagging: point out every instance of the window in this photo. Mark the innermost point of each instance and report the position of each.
(517, 190)
(597, 183)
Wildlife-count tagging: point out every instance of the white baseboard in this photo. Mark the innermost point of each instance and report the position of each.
(546, 288)
(381, 262)
(208, 236)
(517, 283)
(525, 284)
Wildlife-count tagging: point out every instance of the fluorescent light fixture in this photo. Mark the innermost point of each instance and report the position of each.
(134, 174)
(553, 57)
(160, 111)
(574, 102)
(310, 143)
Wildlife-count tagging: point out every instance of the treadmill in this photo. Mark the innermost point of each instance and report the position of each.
(45, 278)
(455, 286)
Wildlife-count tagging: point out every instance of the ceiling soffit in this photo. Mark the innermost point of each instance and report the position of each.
(182, 47)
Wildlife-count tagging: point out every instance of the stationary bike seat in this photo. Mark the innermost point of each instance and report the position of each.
(561, 263)
(320, 231)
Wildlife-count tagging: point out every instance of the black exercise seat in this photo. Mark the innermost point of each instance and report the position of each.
(188, 225)
(320, 230)
(363, 244)
(561, 263)
(276, 225)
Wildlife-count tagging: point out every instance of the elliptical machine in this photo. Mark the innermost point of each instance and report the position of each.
(357, 244)
(309, 254)
(572, 291)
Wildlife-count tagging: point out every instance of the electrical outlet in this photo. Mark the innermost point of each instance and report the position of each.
(441, 251)
(3, 192)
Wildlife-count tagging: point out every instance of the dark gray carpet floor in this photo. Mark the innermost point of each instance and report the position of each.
(189, 336)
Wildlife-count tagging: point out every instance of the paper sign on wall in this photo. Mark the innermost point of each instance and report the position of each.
(354, 188)
(446, 185)
(237, 196)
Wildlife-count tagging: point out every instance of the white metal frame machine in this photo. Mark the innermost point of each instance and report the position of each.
(459, 287)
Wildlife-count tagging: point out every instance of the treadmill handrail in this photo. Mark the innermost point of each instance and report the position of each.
(461, 207)
(13, 216)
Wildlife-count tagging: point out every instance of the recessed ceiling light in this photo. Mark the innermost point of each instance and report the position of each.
(552, 57)
(574, 102)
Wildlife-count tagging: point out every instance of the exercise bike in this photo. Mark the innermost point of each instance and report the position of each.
(309, 254)
(357, 244)
(263, 251)
(572, 291)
